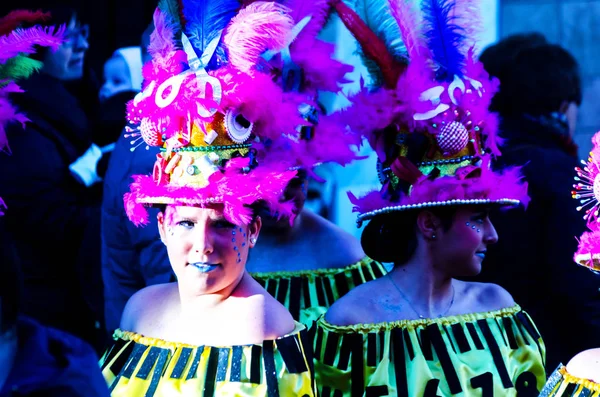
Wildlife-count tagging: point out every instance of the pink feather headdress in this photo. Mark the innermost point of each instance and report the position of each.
(587, 191)
(428, 120)
(15, 44)
(233, 105)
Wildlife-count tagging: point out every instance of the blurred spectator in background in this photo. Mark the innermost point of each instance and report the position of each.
(132, 257)
(37, 360)
(499, 58)
(49, 185)
(540, 92)
(122, 81)
(122, 73)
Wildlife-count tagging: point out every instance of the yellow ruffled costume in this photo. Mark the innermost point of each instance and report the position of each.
(308, 294)
(561, 383)
(140, 366)
(498, 353)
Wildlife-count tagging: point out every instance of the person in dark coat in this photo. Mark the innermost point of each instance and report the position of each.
(538, 100)
(48, 183)
(132, 257)
(36, 360)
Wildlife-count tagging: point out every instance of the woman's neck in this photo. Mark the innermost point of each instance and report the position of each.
(430, 293)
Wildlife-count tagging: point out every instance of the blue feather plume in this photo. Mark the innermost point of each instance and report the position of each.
(204, 20)
(171, 8)
(376, 15)
(444, 38)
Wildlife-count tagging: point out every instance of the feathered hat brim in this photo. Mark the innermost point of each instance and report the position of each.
(590, 261)
(488, 188)
(234, 189)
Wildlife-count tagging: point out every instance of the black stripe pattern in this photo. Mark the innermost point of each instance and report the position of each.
(321, 288)
(464, 355)
(145, 364)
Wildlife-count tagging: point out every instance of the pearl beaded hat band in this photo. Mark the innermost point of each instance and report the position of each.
(386, 210)
(426, 114)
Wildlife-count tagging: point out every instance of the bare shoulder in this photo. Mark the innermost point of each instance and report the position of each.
(347, 247)
(486, 296)
(264, 316)
(145, 309)
(278, 320)
(356, 307)
(586, 365)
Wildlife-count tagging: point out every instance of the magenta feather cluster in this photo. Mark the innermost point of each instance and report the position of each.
(587, 192)
(18, 42)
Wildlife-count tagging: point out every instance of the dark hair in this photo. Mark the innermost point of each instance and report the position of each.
(497, 57)
(392, 237)
(537, 81)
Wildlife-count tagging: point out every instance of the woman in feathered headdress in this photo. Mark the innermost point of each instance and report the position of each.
(220, 99)
(419, 331)
(294, 260)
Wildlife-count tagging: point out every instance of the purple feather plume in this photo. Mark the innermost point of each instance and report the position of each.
(162, 38)
(23, 41)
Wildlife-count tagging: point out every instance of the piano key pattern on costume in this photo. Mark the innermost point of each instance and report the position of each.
(430, 339)
(219, 364)
(295, 292)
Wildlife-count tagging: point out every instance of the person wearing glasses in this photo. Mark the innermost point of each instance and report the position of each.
(67, 62)
(54, 215)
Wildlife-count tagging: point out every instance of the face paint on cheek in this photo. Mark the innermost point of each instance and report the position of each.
(244, 234)
(235, 246)
(473, 227)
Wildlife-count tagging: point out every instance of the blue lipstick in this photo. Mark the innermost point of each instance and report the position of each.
(204, 267)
